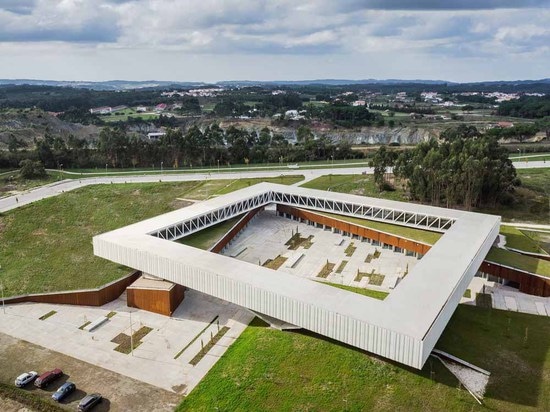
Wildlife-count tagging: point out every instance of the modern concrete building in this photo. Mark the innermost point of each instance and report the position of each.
(404, 327)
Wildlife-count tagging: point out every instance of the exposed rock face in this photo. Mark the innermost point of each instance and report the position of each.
(385, 135)
(28, 125)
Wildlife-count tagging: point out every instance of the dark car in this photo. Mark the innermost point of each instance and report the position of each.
(63, 391)
(47, 377)
(89, 401)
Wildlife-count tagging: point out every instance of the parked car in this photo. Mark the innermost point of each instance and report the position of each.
(63, 391)
(47, 377)
(25, 378)
(89, 401)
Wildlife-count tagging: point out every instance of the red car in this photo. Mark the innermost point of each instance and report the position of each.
(47, 377)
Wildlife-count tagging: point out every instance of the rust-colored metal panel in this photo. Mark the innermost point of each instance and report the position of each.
(152, 300)
(530, 284)
(354, 229)
(177, 294)
(218, 247)
(90, 297)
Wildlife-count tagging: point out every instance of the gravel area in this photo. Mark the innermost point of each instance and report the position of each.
(121, 393)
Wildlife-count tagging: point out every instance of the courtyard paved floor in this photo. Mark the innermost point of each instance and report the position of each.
(265, 237)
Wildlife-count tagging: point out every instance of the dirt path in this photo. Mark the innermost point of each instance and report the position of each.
(121, 393)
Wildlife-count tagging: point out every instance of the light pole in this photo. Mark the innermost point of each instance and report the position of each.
(131, 335)
(161, 167)
(218, 165)
(2, 289)
(519, 150)
(105, 167)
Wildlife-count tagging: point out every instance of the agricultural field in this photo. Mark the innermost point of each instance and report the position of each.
(123, 115)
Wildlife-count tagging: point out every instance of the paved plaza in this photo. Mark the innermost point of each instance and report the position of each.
(153, 361)
(265, 237)
(508, 298)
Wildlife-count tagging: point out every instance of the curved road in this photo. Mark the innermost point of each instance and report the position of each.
(54, 189)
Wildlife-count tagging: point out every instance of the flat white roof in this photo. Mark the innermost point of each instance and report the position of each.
(421, 304)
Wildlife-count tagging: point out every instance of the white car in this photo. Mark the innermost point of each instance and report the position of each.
(25, 378)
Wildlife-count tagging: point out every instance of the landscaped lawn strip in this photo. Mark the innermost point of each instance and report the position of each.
(419, 235)
(270, 370)
(516, 239)
(522, 262)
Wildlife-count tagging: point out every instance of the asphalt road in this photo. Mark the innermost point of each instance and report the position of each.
(54, 189)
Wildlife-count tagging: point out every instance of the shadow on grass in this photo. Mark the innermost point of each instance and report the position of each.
(513, 346)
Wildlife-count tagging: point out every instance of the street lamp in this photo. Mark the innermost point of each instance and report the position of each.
(218, 165)
(131, 335)
(2, 289)
(105, 167)
(161, 167)
(519, 150)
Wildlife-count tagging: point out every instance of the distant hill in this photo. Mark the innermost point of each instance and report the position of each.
(118, 85)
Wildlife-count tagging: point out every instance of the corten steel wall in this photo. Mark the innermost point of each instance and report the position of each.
(218, 247)
(88, 297)
(163, 302)
(354, 229)
(528, 283)
(176, 296)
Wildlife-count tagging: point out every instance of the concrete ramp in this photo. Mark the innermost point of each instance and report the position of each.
(472, 377)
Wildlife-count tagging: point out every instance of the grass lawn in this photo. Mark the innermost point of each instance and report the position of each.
(516, 239)
(270, 370)
(527, 263)
(353, 184)
(532, 198)
(123, 115)
(47, 246)
(376, 294)
(541, 238)
(12, 182)
(419, 235)
(207, 238)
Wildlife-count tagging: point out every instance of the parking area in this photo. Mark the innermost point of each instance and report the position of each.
(165, 357)
(120, 393)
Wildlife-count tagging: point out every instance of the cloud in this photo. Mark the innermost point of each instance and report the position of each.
(306, 31)
(18, 6)
(67, 20)
(354, 5)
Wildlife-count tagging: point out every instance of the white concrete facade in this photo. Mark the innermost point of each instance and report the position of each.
(404, 327)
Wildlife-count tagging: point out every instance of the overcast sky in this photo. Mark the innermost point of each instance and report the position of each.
(210, 40)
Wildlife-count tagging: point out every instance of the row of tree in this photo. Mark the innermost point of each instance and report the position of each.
(467, 170)
(531, 107)
(211, 146)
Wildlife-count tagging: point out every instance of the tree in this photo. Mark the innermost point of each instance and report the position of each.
(31, 169)
(544, 125)
(304, 134)
(464, 171)
(382, 160)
